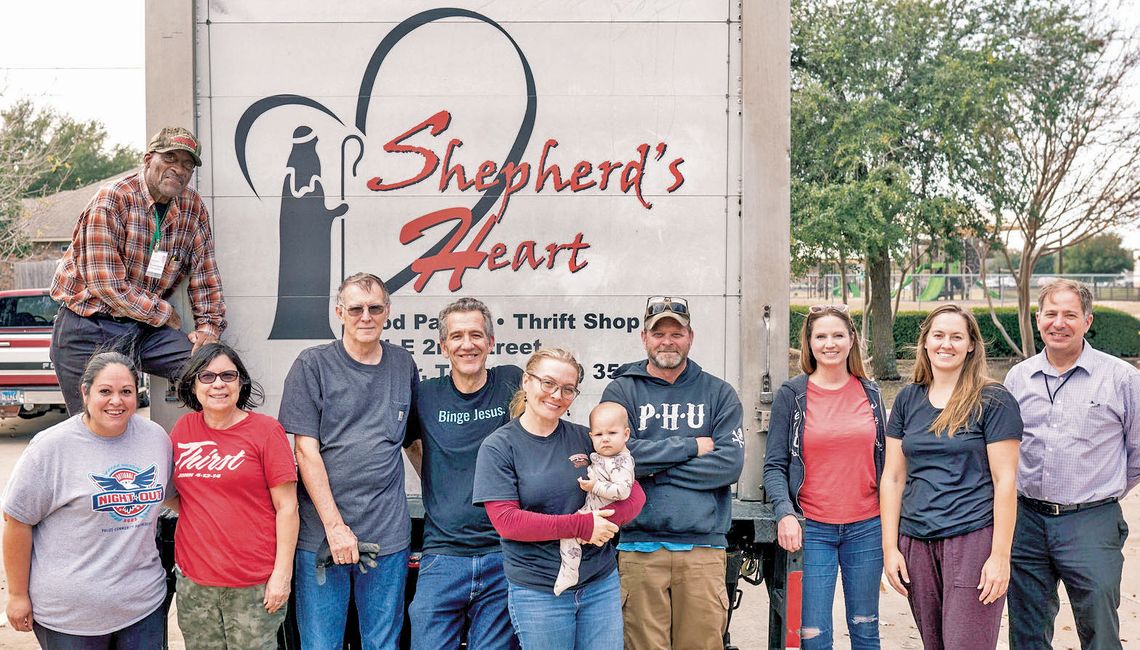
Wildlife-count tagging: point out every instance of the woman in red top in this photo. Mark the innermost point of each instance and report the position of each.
(237, 500)
(824, 460)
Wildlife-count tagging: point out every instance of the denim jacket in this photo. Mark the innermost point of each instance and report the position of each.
(783, 459)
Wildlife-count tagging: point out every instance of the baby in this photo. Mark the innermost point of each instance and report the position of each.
(610, 479)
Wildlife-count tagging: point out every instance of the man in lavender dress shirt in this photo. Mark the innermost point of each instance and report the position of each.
(1080, 453)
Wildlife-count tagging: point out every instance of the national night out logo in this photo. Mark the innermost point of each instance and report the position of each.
(127, 492)
(462, 235)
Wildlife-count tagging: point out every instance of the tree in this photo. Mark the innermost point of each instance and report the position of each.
(41, 152)
(24, 158)
(91, 158)
(1045, 265)
(881, 92)
(1100, 254)
(1057, 159)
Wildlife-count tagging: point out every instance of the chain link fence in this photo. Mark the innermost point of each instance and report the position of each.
(960, 287)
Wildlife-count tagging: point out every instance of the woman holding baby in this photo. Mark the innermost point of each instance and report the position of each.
(527, 476)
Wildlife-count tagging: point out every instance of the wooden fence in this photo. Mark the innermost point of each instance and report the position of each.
(34, 274)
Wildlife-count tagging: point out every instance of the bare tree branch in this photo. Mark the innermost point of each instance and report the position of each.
(982, 248)
(1065, 164)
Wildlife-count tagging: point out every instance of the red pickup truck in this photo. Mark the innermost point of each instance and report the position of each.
(28, 387)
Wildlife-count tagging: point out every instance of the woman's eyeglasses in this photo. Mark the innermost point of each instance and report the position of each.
(208, 377)
(549, 387)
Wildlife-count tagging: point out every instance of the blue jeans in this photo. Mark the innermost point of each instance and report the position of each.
(453, 590)
(322, 609)
(143, 635)
(856, 551)
(588, 618)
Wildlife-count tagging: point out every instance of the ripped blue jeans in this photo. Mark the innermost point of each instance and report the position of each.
(854, 551)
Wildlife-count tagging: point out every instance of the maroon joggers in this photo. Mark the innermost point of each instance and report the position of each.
(943, 591)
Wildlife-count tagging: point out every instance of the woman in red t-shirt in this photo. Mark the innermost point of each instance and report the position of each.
(237, 499)
(823, 461)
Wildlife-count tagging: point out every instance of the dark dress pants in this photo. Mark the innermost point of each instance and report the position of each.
(160, 351)
(1081, 549)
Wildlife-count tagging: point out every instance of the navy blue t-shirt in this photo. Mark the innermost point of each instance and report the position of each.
(542, 475)
(949, 490)
(452, 425)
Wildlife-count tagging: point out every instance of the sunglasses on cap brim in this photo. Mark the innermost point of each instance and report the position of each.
(661, 304)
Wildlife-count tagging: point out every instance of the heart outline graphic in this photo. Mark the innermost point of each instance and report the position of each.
(368, 81)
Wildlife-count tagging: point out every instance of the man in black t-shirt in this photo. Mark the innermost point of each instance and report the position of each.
(461, 571)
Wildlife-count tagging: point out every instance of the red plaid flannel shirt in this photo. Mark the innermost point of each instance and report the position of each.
(104, 269)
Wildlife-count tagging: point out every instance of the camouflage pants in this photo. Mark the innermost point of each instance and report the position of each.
(225, 618)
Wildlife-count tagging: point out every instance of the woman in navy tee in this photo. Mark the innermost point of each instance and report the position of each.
(948, 495)
(526, 476)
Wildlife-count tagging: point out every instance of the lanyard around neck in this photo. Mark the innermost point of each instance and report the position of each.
(1053, 393)
(159, 217)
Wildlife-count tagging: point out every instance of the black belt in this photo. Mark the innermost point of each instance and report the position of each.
(125, 320)
(1054, 509)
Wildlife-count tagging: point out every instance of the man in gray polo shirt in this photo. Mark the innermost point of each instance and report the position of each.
(1080, 453)
(347, 405)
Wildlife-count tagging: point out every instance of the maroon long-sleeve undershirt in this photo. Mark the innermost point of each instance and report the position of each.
(514, 523)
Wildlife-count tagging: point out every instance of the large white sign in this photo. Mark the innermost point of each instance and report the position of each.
(560, 161)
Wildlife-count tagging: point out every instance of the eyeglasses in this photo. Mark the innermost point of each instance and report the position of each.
(208, 377)
(172, 159)
(356, 311)
(549, 387)
(659, 304)
(815, 309)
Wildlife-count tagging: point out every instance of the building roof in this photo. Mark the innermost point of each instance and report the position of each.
(52, 218)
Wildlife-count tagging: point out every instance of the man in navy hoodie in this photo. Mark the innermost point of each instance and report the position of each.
(688, 444)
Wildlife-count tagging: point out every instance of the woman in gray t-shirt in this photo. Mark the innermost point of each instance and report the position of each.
(80, 511)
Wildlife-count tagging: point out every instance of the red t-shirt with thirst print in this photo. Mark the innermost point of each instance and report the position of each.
(839, 455)
(227, 525)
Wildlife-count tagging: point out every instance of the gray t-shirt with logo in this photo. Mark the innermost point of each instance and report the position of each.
(358, 413)
(92, 503)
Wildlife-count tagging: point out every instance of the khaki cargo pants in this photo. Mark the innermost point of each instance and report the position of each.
(674, 599)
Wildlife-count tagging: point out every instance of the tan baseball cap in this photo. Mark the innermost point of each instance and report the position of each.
(176, 138)
(658, 308)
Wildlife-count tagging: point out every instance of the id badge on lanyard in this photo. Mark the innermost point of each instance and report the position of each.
(157, 257)
(157, 264)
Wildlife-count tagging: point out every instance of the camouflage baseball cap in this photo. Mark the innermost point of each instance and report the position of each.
(176, 138)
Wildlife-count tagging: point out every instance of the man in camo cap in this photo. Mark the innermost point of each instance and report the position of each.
(138, 238)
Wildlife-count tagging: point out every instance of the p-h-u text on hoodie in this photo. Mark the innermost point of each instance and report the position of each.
(688, 498)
